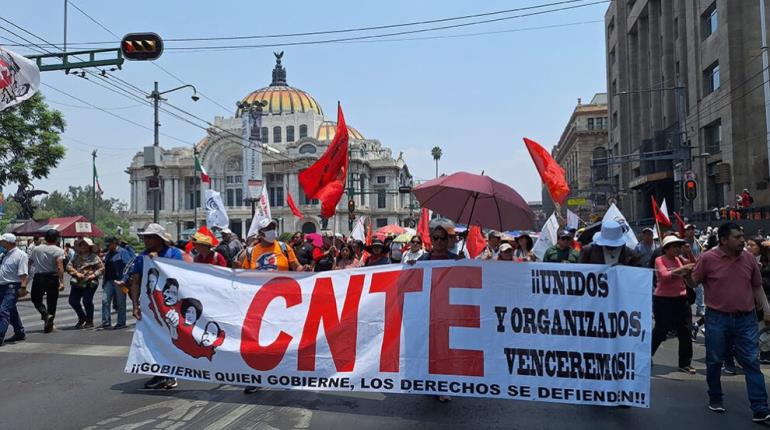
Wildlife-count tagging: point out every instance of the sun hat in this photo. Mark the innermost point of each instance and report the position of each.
(612, 234)
(671, 240)
(153, 229)
(202, 239)
(375, 242)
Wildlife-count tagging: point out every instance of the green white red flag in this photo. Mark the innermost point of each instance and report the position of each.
(199, 168)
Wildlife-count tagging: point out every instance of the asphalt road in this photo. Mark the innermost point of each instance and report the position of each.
(73, 379)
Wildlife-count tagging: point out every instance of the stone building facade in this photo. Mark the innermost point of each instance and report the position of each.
(685, 78)
(583, 139)
(297, 132)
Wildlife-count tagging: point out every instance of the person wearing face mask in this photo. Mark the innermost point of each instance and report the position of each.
(269, 253)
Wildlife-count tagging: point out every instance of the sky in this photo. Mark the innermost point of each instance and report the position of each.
(474, 91)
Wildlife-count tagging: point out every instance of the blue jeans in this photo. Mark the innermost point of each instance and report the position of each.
(721, 329)
(699, 306)
(8, 312)
(111, 290)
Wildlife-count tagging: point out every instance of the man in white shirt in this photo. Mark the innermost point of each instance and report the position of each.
(13, 284)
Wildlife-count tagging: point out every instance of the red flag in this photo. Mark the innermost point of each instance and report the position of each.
(294, 209)
(423, 230)
(325, 179)
(659, 216)
(550, 172)
(475, 241)
(369, 233)
(680, 227)
(203, 230)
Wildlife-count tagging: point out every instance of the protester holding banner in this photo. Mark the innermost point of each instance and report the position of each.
(230, 246)
(669, 302)
(562, 252)
(324, 257)
(492, 249)
(732, 282)
(347, 258)
(506, 252)
(646, 247)
(155, 245)
(115, 261)
(377, 254)
(415, 250)
(609, 247)
(85, 269)
(204, 254)
(524, 247)
(269, 253)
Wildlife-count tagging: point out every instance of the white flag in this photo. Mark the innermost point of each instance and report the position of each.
(664, 209)
(359, 230)
(547, 237)
(216, 215)
(572, 220)
(262, 211)
(614, 213)
(19, 78)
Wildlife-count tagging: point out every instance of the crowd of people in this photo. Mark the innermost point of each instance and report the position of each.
(717, 272)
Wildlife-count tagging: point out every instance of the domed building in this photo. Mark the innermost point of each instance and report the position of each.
(293, 133)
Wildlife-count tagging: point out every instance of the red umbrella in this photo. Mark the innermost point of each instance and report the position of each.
(390, 229)
(476, 200)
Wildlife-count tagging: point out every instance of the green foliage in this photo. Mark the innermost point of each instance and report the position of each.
(29, 141)
(11, 209)
(110, 213)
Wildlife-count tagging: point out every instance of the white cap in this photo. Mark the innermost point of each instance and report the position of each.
(227, 231)
(8, 237)
(154, 229)
(87, 240)
(262, 223)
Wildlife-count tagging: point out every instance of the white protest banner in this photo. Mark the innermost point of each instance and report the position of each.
(19, 78)
(261, 211)
(216, 214)
(359, 230)
(547, 237)
(531, 331)
(614, 213)
(572, 220)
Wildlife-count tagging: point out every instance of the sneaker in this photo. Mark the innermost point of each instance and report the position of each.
(17, 337)
(716, 406)
(170, 383)
(89, 324)
(119, 326)
(761, 416)
(155, 383)
(48, 326)
(79, 325)
(688, 369)
(250, 389)
(106, 325)
(729, 370)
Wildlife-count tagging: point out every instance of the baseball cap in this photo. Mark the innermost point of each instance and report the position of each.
(227, 231)
(648, 229)
(505, 247)
(262, 224)
(565, 233)
(494, 233)
(8, 237)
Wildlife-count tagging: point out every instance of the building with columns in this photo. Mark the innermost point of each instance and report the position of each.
(293, 133)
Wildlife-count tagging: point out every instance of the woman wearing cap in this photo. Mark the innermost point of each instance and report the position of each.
(505, 252)
(204, 253)
(85, 269)
(669, 302)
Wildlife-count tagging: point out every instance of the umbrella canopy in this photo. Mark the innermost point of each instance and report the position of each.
(391, 229)
(405, 236)
(476, 200)
(587, 235)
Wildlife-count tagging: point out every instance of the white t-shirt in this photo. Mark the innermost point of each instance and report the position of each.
(412, 256)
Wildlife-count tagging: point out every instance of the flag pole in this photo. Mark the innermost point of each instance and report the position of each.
(93, 187)
(196, 192)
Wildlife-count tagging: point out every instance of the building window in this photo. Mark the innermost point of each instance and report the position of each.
(307, 149)
(274, 184)
(361, 186)
(276, 134)
(233, 182)
(302, 131)
(710, 20)
(612, 56)
(263, 133)
(192, 197)
(614, 120)
(382, 222)
(381, 179)
(711, 79)
(600, 164)
(381, 202)
(290, 133)
(590, 123)
(234, 197)
(614, 88)
(712, 136)
(611, 27)
(151, 200)
(676, 28)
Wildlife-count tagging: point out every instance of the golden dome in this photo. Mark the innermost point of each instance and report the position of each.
(327, 129)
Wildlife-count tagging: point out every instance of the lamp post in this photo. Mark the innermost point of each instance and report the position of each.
(155, 95)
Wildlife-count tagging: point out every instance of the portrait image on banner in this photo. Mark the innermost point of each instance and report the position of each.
(569, 333)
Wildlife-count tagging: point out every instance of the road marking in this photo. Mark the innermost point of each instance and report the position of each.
(66, 349)
(232, 416)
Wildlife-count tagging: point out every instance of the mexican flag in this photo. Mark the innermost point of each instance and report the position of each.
(96, 179)
(199, 168)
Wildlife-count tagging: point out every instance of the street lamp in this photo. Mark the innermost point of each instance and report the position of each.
(155, 95)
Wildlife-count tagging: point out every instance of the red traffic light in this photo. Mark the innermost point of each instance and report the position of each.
(141, 46)
(690, 189)
(351, 206)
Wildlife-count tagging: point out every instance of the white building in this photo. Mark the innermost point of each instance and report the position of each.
(294, 124)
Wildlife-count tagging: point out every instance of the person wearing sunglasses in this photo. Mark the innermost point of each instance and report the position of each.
(415, 250)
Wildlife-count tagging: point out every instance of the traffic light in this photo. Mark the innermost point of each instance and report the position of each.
(141, 46)
(690, 189)
(351, 209)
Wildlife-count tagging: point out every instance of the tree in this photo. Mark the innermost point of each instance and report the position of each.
(29, 141)
(436, 153)
(77, 201)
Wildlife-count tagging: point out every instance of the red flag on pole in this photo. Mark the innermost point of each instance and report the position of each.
(680, 227)
(423, 230)
(551, 173)
(475, 242)
(659, 216)
(369, 233)
(294, 209)
(325, 179)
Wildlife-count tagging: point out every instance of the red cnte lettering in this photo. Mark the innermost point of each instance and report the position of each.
(394, 284)
(341, 332)
(267, 357)
(442, 359)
